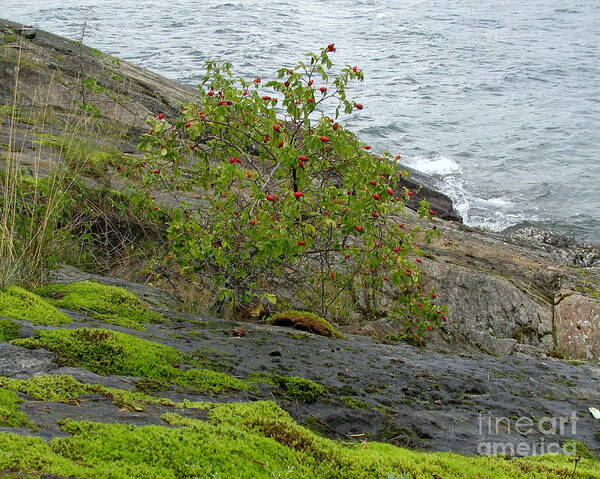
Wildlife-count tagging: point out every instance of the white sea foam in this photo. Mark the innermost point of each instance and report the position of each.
(438, 165)
(494, 214)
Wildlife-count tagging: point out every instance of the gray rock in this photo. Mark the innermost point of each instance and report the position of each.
(487, 311)
(17, 362)
(96, 408)
(425, 189)
(572, 251)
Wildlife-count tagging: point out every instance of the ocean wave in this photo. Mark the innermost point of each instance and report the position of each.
(495, 213)
(438, 165)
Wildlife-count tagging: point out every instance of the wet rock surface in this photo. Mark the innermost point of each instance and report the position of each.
(19, 363)
(408, 396)
(424, 188)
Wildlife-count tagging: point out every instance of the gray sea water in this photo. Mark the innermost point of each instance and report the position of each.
(500, 100)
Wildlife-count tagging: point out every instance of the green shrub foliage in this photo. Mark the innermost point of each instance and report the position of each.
(286, 191)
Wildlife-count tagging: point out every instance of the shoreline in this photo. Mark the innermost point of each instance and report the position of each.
(524, 267)
(443, 202)
(521, 340)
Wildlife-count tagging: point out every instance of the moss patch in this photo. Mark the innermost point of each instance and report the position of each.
(17, 303)
(110, 352)
(249, 441)
(107, 352)
(47, 388)
(578, 448)
(8, 330)
(67, 389)
(107, 303)
(209, 358)
(292, 387)
(306, 322)
(209, 381)
(354, 403)
(10, 416)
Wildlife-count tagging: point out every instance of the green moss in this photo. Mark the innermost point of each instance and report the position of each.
(394, 433)
(84, 155)
(10, 416)
(47, 388)
(17, 303)
(578, 448)
(354, 403)
(207, 381)
(149, 385)
(107, 352)
(66, 389)
(8, 38)
(108, 303)
(132, 400)
(110, 352)
(292, 387)
(252, 441)
(305, 321)
(195, 404)
(8, 330)
(209, 358)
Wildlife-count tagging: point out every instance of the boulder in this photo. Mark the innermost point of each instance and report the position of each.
(488, 312)
(424, 188)
(577, 324)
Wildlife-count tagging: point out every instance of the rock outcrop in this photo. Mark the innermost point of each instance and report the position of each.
(424, 188)
(577, 324)
(504, 292)
(490, 380)
(408, 396)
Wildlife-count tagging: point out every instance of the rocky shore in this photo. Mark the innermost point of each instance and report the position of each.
(420, 398)
(522, 340)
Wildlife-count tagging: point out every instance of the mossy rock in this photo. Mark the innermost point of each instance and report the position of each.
(209, 381)
(111, 304)
(305, 321)
(10, 416)
(47, 388)
(292, 387)
(106, 352)
(578, 448)
(66, 389)
(252, 441)
(18, 303)
(8, 329)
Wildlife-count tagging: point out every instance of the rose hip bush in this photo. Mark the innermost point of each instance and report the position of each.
(287, 194)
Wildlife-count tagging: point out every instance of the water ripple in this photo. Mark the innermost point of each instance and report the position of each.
(509, 93)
